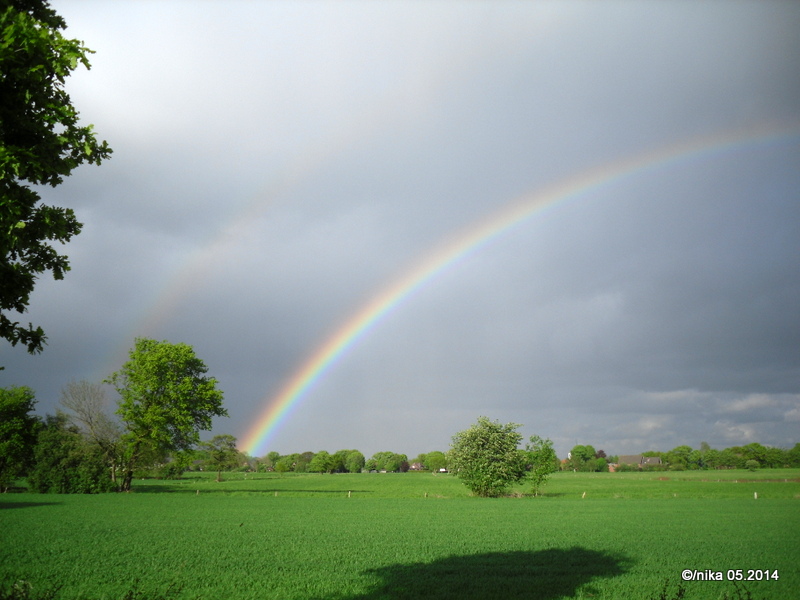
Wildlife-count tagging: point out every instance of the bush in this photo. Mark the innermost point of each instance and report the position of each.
(65, 463)
(485, 457)
(172, 470)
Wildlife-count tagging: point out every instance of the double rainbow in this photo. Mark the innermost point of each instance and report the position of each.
(279, 407)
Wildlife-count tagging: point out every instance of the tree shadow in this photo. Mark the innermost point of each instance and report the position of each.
(16, 504)
(144, 488)
(541, 575)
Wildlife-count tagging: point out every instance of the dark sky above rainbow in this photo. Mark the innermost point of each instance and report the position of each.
(376, 222)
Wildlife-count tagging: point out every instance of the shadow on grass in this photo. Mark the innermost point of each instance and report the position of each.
(204, 488)
(540, 575)
(12, 504)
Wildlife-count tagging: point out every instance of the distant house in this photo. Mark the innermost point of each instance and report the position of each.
(417, 466)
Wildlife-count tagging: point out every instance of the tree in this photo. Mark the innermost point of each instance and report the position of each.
(396, 462)
(542, 461)
(486, 458)
(321, 463)
(222, 453)
(793, 456)
(283, 464)
(583, 458)
(41, 142)
(678, 457)
(337, 464)
(379, 460)
(18, 429)
(272, 458)
(86, 403)
(165, 400)
(434, 461)
(354, 461)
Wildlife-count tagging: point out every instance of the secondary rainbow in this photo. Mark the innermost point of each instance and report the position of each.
(467, 242)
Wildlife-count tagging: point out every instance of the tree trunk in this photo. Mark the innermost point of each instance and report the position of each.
(128, 465)
(127, 478)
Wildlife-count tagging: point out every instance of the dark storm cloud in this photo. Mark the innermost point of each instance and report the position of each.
(272, 173)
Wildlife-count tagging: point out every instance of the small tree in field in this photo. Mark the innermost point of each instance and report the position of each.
(542, 461)
(222, 453)
(486, 457)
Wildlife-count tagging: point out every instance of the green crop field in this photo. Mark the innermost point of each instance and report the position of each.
(369, 536)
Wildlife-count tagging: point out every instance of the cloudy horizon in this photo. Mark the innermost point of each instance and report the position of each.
(278, 165)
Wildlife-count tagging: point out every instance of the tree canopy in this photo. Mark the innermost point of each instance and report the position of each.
(165, 400)
(18, 429)
(222, 453)
(542, 461)
(486, 457)
(41, 142)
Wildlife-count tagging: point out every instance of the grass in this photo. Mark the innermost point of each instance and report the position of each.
(631, 536)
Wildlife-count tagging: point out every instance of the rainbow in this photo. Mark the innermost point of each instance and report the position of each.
(470, 241)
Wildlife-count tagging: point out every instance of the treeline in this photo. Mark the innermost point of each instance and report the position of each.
(346, 461)
(165, 400)
(84, 450)
(683, 458)
(749, 456)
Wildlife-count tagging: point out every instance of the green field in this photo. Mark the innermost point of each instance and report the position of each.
(409, 536)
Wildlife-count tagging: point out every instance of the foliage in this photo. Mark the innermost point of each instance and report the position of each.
(41, 142)
(665, 594)
(66, 463)
(321, 463)
(390, 462)
(354, 461)
(165, 400)
(284, 464)
(222, 453)
(542, 461)
(486, 458)
(18, 428)
(87, 403)
(684, 458)
(582, 453)
(171, 470)
(433, 461)
(584, 458)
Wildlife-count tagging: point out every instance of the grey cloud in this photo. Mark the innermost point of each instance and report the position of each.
(274, 173)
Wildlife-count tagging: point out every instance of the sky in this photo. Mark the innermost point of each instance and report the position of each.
(279, 166)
